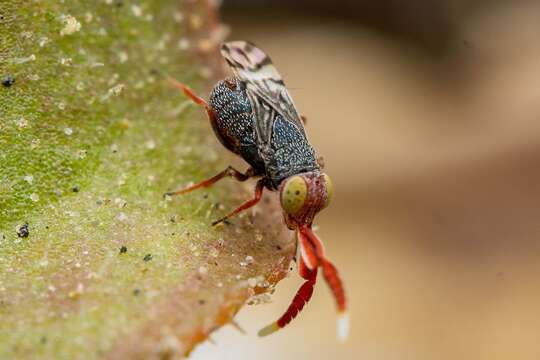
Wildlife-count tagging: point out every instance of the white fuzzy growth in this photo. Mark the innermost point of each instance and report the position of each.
(71, 25)
(343, 326)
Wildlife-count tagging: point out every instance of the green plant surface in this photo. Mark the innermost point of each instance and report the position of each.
(90, 139)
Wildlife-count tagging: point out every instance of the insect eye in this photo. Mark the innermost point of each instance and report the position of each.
(293, 194)
(329, 190)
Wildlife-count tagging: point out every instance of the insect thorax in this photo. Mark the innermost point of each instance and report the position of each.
(292, 152)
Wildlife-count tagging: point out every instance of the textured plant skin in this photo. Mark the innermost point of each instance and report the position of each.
(90, 139)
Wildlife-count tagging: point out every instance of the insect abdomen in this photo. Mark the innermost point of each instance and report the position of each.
(234, 125)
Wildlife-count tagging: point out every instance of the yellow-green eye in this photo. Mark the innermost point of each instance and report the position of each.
(329, 190)
(294, 194)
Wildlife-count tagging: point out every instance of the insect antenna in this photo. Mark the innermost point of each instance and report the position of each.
(334, 282)
(300, 299)
(307, 268)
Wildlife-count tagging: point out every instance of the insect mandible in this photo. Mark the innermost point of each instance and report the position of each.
(253, 115)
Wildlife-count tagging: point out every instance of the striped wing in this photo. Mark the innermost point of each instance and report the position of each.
(266, 89)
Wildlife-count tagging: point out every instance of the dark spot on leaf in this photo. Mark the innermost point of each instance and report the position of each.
(278, 247)
(202, 302)
(147, 257)
(297, 192)
(123, 249)
(23, 231)
(43, 340)
(8, 80)
(76, 188)
(136, 292)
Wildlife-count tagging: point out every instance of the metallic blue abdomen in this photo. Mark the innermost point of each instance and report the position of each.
(235, 125)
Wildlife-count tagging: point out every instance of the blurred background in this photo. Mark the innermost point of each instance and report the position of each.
(427, 115)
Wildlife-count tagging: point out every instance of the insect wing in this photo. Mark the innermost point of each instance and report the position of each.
(266, 89)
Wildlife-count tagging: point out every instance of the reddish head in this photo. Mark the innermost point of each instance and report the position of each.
(302, 196)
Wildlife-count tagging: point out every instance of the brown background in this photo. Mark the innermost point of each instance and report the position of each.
(428, 119)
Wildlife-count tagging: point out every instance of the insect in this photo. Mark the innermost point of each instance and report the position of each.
(253, 115)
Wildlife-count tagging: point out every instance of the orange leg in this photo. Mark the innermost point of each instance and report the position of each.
(191, 94)
(188, 92)
(228, 172)
(250, 203)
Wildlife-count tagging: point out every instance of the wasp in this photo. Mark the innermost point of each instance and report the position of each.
(253, 116)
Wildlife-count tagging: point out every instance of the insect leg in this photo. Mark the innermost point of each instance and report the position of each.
(304, 119)
(188, 92)
(228, 172)
(250, 203)
(191, 94)
(307, 268)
